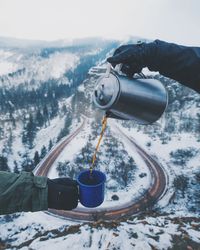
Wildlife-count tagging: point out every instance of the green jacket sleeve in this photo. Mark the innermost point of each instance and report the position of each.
(22, 192)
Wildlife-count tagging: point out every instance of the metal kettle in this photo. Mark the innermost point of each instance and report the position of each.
(122, 97)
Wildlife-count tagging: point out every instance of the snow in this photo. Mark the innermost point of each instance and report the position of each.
(50, 132)
(18, 149)
(7, 67)
(132, 192)
(70, 150)
(43, 136)
(6, 63)
(81, 88)
(129, 146)
(35, 67)
(32, 221)
(53, 67)
(47, 232)
(137, 187)
(178, 141)
(135, 233)
(93, 52)
(194, 235)
(162, 152)
(4, 54)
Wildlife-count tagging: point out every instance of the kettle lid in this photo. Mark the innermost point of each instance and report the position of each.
(106, 91)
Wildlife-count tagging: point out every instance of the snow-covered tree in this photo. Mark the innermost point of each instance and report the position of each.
(50, 145)
(36, 158)
(16, 169)
(43, 152)
(4, 163)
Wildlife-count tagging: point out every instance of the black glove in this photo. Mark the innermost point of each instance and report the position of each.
(62, 193)
(133, 57)
(178, 62)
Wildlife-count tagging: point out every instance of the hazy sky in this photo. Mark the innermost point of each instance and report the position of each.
(171, 20)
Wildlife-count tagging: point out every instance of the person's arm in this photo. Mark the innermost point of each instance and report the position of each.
(22, 192)
(26, 192)
(181, 63)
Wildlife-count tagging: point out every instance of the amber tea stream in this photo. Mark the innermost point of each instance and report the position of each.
(104, 123)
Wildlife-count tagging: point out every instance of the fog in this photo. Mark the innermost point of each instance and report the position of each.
(171, 20)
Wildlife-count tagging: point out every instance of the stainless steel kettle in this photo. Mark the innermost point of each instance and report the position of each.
(143, 100)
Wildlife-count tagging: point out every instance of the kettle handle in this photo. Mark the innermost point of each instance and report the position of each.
(117, 70)
(110, 68)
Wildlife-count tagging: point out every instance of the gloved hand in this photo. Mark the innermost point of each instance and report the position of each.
(181, 63)
(133, 57)
(62, 193)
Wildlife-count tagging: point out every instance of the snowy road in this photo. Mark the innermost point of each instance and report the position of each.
(144, 202)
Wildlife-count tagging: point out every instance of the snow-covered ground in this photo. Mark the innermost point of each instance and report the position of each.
(171, 224)
(42, 231)
(70, 150)
(42, 138)
(27, 68)
(161, 152)
(131, 192)
(7, 66)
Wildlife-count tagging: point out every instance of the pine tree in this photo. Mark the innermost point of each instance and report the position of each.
(64, 109)
(13, 122)
(45, 114)
(27, 164)
(54, 108)
(11, 109)
(4, 163)
(181, 184)
(63, 169)
(65, 130)
(1, 133)
(10, 142)
(39, 119)
(16, 169)
(36, 158)
(43, 152)
(7, 146)
(198, 124)
(50, 145)
(29, 132)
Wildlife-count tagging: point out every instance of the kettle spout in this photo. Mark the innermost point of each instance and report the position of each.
(109, 114)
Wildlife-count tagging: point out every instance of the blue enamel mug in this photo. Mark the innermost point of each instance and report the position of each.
(91, 188)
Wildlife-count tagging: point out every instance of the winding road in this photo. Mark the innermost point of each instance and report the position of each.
(144, 202)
